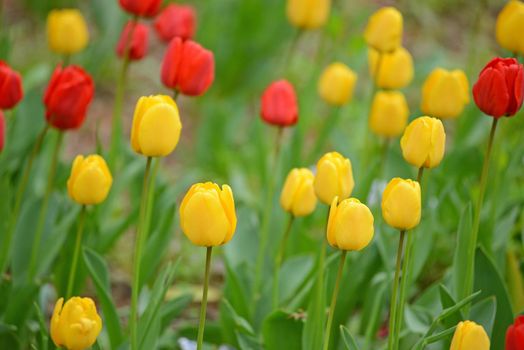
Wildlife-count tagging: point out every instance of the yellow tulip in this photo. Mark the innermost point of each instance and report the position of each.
(336, 84)
(90, 180)
(401, 204)
(424, 142)
(334, 178)
(308, 14)
(76, 325)
(66, 31)
(445, 93)
(350, 225)
(510, 27)
(384, 30)
(395, 69)
(207, 214)
(156, 126)
(469, 336)
(298, 195)
(389, 113)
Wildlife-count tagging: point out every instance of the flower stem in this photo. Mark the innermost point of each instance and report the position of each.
(78, 244)
(334, 299)
(394, 303)
(279, 259)
(203, 306)
(374, 87)
(291, 50)
(328, 125)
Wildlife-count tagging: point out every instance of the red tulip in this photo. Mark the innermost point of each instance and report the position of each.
(499, 91)
(176, 20)
(188, 67)
(67, 97)
(143, 8)
(515, 335)
(10, 87)
(136, 44)
(2, 131)
(279, 104)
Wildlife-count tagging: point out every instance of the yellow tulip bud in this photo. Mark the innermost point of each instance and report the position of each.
(389, 113)
(77, 325)
(445, 93)
(207, 214)
(308, 14)
(334, 178)
(90, 180)
(510, 27)
(424, 142)
(469, 336)
(395, 69)
(156, 126)
(401, 204)
(384, 30)
(67, 31)
(298, 195)
(336, 84)
(350, 225)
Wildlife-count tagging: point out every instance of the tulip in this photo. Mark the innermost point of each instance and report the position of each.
(279, 104)
(384, 30)
(389, 113)
(2, 131)
(395, 69)
(515, 335)
(510, 26)
(308, 14)
(499, 90)
(135, 44)
(401, 204)
(334, 178)
(67, 31)
(10, 87)
(67, 97)
(76, 325)
(298, 195)
(90, 180)
(188, 67)
(469, 336)
(445, 93)
(336, 84)
(142, 8)
(176, 21)
(424, 142)
(207, 214)
(156, 126)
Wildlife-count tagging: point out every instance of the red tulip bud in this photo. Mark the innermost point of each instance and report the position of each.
(135, 44)
(143, 8)
(10, 87)
(279, 104)
(176, 20)
(2, 131)
(515, 335)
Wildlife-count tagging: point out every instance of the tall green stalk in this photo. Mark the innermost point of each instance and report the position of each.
(394, 301)
(76, 253)
(334, 299)
(279, 259)
(203, 305)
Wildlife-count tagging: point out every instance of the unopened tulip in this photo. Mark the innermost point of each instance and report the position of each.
(334, 178)
(424, 142)
(142, 8)
(207, 214)
(11, 91)
(308, 14)
(401, 204)
(76, 325)
(67, 31)
(2, 131)
(298, 195)
(510, 26)
(395, 69)
(515, 335)
(445, 93)
(90, 180)
(389, 113)
(279, 104)
(135, 44)
(156, 126)
(336, 84)
(384, 30)
(469, 336)
(176, 21)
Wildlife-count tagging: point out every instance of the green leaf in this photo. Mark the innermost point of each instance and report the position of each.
(348, 339)
(294, 272)
(448, 301)
(173, 308)
(282, 330)
(460, 261)
(44, 339)
(484, 313)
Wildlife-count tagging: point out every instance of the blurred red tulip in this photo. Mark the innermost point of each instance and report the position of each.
(143, 8)
(67, 97)
(176, 20)
(2, 131)
(188, 67)
(515, 335)
(10, 87)
(499, 91)
(279, 104)
(135, 45)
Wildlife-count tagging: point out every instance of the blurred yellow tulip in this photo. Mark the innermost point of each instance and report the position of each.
(401, 204)
(90, 180)
(510, 27)
(395, 69)
(469, 336)
(389, 113)
(308, 14)
(298, 195)
(445, 93)
(334, 178)
(424, 142)
(66, 31)
(336, 84)
(384, 30)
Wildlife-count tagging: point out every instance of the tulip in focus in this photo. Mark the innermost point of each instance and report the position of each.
(469, 336)
(142, 8)
(384, 30)
(298, 195)
(334, 178)
(401, 204)
(2, 131)
(11, 91)
(445, 93)
(308, 14)
(336, 84)
(515, 335)
(510, 26)
(90, 180)
(279, 104)
(176, 21)
(395, 69)
(136, 44)
(389, 113)
(424, 142)
(67, 31)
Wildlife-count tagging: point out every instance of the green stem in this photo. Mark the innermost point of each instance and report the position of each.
(279, 259)
(78, 245)
(327, 127)
(203, 306)
(384, 156)
(334, 299)
(66, 60)
(291, 50)
(394, 303)
(367, 139)
(175, 94)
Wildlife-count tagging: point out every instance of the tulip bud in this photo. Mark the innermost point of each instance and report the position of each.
(298, 195)
(389, 113)
(424, 142)
(384, 30)
(156, 126)
(134, 40)
(67, 97)
(510, 26)
(90, 180)
(445, 93)
(469, 336)
(350, 225)
(336, 84)
(10, 87)
(395, 69)
(401, 204)
(279, 104)
(515, 335)
(77, 325)
(309, 14)
(142, 8)
(207, 214)
(188, 67)
(67, 31)
(176, 21)
(334, 178)
(2, 131)
(499, 91)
